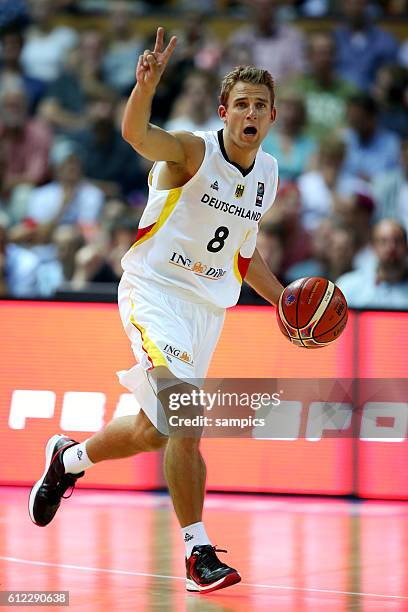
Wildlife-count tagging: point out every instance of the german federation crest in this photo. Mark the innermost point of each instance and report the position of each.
(239, 191)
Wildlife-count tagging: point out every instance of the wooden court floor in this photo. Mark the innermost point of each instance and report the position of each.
(117, 551)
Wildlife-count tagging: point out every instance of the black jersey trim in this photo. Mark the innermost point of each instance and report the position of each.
(243, 171)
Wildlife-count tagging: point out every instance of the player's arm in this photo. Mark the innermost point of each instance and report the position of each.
(149, 140)
(262, 279)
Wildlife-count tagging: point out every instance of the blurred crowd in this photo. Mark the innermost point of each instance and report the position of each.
(72, 190)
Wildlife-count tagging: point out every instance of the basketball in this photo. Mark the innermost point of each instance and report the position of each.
(312, 312)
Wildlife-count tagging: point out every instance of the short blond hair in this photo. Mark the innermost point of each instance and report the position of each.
(246, 74)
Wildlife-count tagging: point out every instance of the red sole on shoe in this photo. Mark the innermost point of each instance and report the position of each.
(229, 581)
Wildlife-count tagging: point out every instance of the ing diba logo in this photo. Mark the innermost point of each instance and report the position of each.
(199, 267)
(178, 354)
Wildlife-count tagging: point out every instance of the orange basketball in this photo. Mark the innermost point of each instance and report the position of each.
(312, 312)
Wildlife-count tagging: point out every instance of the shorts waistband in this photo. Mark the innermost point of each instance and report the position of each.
(177, 292)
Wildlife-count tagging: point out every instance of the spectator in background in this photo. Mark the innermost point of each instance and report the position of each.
(3, 260)
(13, 13)
(116, 231)
(92, 47)
(394, 8)
(109, 161)
(123, 49)
(341, 253)
(68, 239)
(325, 94)
(287, 140)
(195, 108)
(370, 149)
(357, 213)
(81, 79)
(65, 99)
(68, 6)
(12, 202)
(115, 211)
(100, 263)
(390, 92)
(391, 190)
(335, 260)
(25, 142)
(403, 54)
(314, 8)
(198, 47)
(273, 46)
(323, 189)
(18, 268)
(10, 66)
(317, 262)
(386, 284)
(235, 54)
(286, 214)
(270, 243)
(68, 200)
(46, 45)
(362, 48)
(4, 196)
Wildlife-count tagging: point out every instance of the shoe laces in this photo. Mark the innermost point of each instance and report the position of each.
(67, 482)
(209, 557)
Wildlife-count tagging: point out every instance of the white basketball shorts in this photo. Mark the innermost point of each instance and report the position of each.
(165, 330)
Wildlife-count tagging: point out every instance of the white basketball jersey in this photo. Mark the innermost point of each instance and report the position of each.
(198, 240)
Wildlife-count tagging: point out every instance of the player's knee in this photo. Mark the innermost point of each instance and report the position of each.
(185, 413)
(145, 436)
(182, 400)
(153, 439)
(187, 444)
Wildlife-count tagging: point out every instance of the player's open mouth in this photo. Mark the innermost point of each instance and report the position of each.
(250, 130)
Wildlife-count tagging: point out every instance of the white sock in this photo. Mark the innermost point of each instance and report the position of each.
(76, 459)
(194, 535)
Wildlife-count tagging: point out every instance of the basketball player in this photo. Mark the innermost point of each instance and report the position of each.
(196, 242)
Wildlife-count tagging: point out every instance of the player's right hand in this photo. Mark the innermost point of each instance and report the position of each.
(152, 64)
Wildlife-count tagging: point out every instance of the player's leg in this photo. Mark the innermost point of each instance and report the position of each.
(182, 446)
(185, 472)
(124, 437)
(204, 571)
(66, 460)
(186, 485)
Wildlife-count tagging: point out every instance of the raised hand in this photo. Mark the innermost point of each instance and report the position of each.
(152, 64)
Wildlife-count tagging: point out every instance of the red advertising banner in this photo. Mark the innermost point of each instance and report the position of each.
(382, 349)
(58, 375)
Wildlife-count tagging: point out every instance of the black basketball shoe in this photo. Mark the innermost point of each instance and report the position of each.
(206, 573)
(46, 494)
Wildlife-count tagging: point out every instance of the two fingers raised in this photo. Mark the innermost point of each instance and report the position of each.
(156, 60)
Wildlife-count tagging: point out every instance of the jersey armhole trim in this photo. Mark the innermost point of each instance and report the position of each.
(145, 233)
(190, 181)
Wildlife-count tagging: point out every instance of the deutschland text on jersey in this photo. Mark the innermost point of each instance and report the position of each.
(199, 239)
